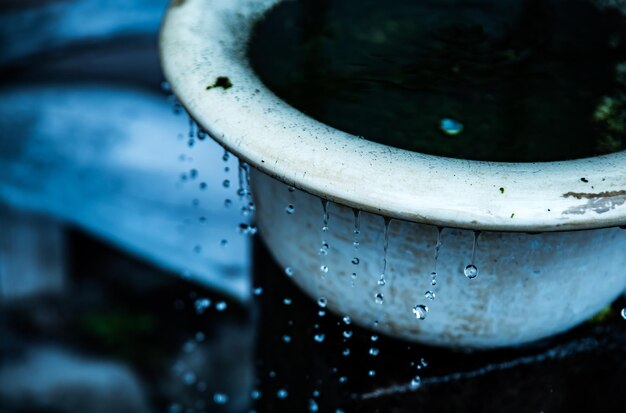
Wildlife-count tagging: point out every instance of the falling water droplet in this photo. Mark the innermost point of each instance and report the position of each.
(374, 337)
(201, 304)
(319, 337)
(220, 398)
(324, 269)
(430, 295)
(471, 271)
(415, 382)
(347, 333)
(420, 311)
(374, 351)
(228, 203)
(287, 339)
(326, 216)
(322, 301)
(378, 298)
(346, 352)
(382, 280)
(355, 261)
(289, 271)
(313, 407)
(290, 209)
(287, 301)
(226, 183)
(221, 306)
(247, 229)
(226, 156)
(346, 319)
(282, 394)
(324, 248)
(371, 373)
(623, 312)
(189, 378)
(255, 394)
(258, 291)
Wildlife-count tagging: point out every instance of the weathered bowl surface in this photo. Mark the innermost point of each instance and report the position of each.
(529, 286)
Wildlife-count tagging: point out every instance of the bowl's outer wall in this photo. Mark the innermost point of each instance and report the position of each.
(529, 286)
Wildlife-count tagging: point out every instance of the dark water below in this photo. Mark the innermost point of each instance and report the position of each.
(506, 80)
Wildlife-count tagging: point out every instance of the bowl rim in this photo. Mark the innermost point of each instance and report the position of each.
(200, 42)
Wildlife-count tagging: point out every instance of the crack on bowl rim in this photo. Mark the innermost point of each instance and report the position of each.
(201, 41)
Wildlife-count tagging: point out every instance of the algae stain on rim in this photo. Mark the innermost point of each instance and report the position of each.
(201, 42)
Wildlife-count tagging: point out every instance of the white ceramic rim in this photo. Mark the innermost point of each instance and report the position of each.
(202, 40)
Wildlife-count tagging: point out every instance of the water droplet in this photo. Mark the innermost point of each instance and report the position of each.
(319, 337)
(415, 382)
(247, 229)
(374, 337)
(346, 319)
(381, 280)
(258, 291)
(343, 379)
(223, 243)
(346, 352)
(291, 188)
(321, 313)
(471, 271)
(623, 313)
(378, 298)
(289, 271)
(371, 373)
(423, 363)
(324, 269)
(255, 395)
(290, 209)
(282, 394)
(430, 295)
(201, 304)
(287, 339)
(347, 333)
(226, 156)
(374, 351)
(326, 216)
(226, 183)
(355, 261)
(220, 398)
(313, 406)
(322, 302)
(287, 301)
(450, 127)
(189, 378)
(228, 203)
(324, 248)
(221, 306)
(420, 311)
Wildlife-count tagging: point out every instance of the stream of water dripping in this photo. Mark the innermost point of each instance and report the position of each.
(471, 270)
(356, 232)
